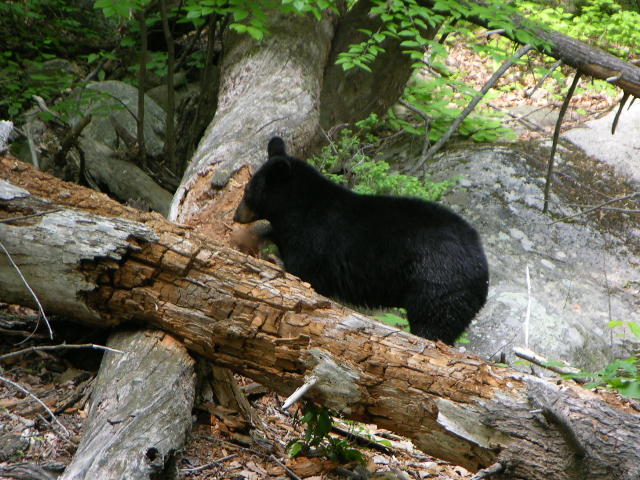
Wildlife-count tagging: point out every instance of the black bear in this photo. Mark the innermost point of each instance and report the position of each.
(370, 250)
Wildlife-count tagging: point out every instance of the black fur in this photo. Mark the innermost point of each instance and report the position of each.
(371, 250)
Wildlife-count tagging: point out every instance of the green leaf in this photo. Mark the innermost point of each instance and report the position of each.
(295, 449)
(635, 328)
(240, 14)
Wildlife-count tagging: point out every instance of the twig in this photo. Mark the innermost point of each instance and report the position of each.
(292, 475)
(128, 139)
(556, 135)
(427, 125)
(58, 347)
(46, 320)
(608, 209)
(469, 108)
(32, 146)
(541, 361)
(362, 440)
(488, 33)
(69, 140)
(300, 391)
(597, 207)
(623, 100)
(487, 472)
(544, 77)
(97, 69)
(519, 118)
(43, 106)
(142, 77)
(208, 465)
(27, 392)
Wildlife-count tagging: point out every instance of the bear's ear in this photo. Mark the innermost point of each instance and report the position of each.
(280, 170)
(276, 148)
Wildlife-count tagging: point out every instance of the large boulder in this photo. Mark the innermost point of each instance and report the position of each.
(119, 100)
(581, 275)
(111, 101)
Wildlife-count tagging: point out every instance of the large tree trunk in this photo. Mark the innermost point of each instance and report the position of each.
(250, 316)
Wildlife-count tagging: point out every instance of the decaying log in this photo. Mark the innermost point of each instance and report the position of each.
(140, 410)
(251, 317)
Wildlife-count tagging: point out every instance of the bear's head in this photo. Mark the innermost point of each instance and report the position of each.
(269, 193)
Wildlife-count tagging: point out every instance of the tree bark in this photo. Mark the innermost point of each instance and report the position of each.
(350, 96)
(252, 317)
(140, 410)
(267, 88)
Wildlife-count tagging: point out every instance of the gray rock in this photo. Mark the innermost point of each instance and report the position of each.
(100, 142)
(579, 274)
(621, 150)
(120, 100)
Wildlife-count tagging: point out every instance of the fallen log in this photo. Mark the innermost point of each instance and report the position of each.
(257, 320)
(126, 434)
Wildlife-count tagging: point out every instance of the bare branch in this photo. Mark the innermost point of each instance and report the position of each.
(35, 297)
(469, 108)
(42, 404)
(529, 93)
(623, 100)
(533, 357)
(556, 135)
(597, 207)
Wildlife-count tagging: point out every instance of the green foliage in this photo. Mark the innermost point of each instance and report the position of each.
(412, 22)
(621, 375)
(463, 339)
(439, 98)
(249, 16)
(398, 318)
(317, 440)
(347, 161)
(395, 320)
(36, 32)
(603, 22)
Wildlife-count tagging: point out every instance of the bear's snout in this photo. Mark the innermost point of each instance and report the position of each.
(244, 214)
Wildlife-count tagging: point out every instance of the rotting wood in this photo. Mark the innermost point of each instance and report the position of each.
(250, 316)
(140, 410)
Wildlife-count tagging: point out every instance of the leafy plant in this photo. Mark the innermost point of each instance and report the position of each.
(317, 440)
(394, 319)
(621, 375)
(603, 22)
(443, 100)
(347, 161)
(37, 32)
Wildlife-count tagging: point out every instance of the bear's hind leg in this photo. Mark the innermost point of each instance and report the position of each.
(444, 318)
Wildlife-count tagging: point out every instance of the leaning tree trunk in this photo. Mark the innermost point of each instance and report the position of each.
(250, 316)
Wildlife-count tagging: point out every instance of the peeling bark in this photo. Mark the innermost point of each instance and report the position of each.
(252, 317)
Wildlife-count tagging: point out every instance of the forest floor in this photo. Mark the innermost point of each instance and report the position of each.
(31, 444)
